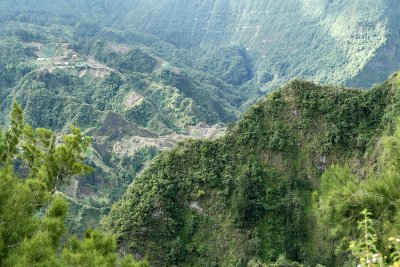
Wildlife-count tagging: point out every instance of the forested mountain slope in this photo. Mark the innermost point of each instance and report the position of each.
(253, 194)
(328, 41)
(132, 93)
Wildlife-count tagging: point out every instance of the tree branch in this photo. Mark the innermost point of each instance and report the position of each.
(15, 245)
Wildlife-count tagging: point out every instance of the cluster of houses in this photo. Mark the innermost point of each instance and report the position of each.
(60, 61)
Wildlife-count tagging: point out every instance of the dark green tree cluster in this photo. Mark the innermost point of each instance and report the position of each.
(231, 64)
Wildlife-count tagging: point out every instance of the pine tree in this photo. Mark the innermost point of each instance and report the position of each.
(34, 164)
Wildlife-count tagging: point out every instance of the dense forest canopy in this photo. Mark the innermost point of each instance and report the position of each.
(289, 179)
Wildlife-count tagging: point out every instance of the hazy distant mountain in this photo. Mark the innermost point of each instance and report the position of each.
(329, 41)
(334, 41)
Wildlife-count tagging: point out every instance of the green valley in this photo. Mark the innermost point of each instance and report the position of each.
(115, 92)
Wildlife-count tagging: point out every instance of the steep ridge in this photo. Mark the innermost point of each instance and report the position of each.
(326, 41)
(387, 57)
(250, 194)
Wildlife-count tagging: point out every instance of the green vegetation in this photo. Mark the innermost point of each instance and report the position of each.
(265, 44)
(113, 84)
(231, 64)
(336, 42)
(343, 195)
(284, 187)
(33, 166)
(257, 193)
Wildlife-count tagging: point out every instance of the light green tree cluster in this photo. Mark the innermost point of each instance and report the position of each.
(370, 233)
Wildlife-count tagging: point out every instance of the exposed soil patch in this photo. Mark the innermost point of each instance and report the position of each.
(86, 191)
(119, 48)
(36, 45)
(132, 100)
(95, 64)
(98, 73)
(116, 127)
(130, 145)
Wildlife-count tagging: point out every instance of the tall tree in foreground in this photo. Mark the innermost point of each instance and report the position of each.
(33, 166)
